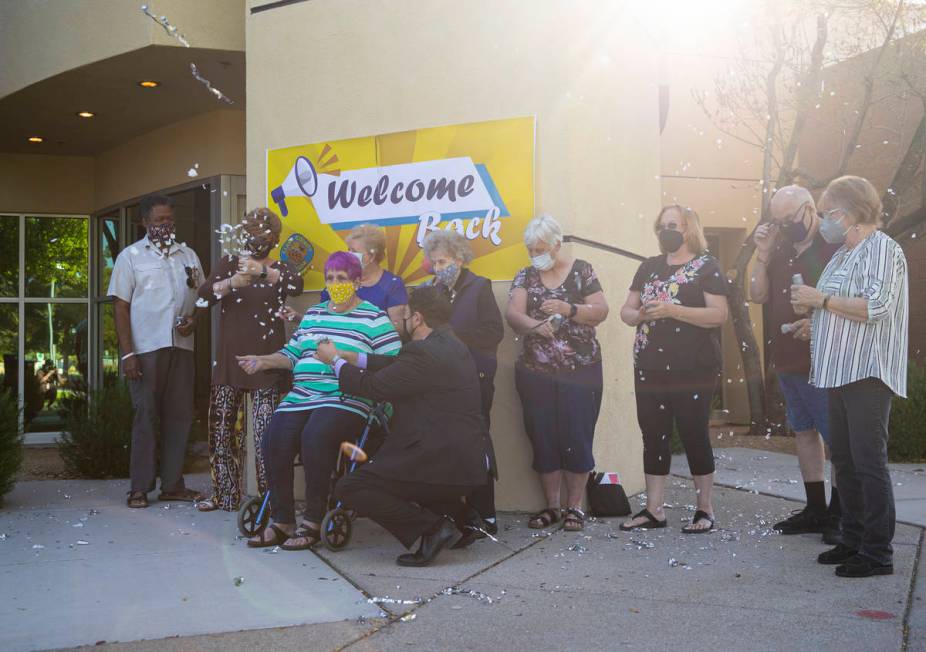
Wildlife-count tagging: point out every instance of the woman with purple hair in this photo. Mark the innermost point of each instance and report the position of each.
(315, 416)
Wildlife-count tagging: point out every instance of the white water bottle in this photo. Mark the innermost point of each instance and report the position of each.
(797, 279)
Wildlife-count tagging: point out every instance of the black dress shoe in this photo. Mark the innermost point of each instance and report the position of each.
(471, 529)
(838, 555)
(432, 542)
(861, 566)
(802, 522)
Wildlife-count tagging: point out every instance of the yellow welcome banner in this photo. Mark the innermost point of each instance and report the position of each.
(476, 178)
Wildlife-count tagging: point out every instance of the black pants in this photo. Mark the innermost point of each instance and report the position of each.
(681, 399)
(859, 414)
(316, 434)
(406, 509)
(483, 498)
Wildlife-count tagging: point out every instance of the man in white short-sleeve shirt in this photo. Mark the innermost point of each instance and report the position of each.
(154, 284)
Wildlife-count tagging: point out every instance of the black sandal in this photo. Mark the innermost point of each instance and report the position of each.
(279, 536)
(311, 536)
(651, 523)
(543, 519)
(699, 516)
(575, 520)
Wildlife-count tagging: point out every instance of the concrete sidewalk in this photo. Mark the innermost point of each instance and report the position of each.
(778, 474)
(741, 587)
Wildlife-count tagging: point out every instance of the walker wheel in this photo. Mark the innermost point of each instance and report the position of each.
(247, 517)
(336, 529)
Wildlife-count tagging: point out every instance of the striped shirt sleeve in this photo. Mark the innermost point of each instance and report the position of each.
(884, 273)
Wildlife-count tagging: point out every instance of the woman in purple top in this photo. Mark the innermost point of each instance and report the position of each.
(379, 286)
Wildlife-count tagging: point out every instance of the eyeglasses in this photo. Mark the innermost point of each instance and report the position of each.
(671, 226)
(190, 277)
(824, 214)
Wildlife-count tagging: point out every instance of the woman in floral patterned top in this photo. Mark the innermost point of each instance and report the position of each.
(555, 304)
(677, 301)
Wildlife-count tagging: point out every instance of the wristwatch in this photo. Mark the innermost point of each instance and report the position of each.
(573, 310)
(263, 272)
(826, 301)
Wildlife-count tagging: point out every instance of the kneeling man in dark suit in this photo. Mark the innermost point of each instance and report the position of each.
(438, 449)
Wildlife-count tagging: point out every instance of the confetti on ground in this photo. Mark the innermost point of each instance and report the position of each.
(238, 581)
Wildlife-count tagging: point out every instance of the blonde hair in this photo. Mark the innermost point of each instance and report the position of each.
(697, 243)
(372, 238)
(856, 196)
(543, 228)
(449, 241)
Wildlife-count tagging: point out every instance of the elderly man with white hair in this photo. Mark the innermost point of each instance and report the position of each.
(555, 305)
(790, 244)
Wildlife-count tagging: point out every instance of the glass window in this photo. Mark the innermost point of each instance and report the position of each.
(109, 353)
(55, 361)
(56, 257)
(109, 249)
(9, 346)
(9, 255)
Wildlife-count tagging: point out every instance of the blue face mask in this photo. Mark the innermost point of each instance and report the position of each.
(448, 275)
(831, 229)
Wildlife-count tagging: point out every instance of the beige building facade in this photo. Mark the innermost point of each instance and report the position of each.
(306, 72)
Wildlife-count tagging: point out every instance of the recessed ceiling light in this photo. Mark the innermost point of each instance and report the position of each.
(36, 139)
(85, 114)
(149, 83)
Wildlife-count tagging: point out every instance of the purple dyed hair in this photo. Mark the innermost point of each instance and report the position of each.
(343, 261)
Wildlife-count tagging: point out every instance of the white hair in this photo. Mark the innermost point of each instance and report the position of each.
(543, 228)
(451, 242)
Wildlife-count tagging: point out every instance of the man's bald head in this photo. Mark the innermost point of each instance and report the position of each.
(787, 200)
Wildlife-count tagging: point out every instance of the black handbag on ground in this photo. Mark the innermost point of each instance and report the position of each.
(606, 499)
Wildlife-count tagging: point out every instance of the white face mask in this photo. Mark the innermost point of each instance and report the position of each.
(543, 262)
(358, 256)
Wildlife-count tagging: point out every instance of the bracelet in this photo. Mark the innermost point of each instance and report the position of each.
(573, 310)
(127, 356)
(826, 301)
(334, 360)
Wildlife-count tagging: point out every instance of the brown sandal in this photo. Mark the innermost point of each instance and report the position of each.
(574, 520)
(544, 518)
(137, 499)
(184, 495)
(260, 541)
(207, 505)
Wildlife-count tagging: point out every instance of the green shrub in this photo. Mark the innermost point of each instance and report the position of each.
(907, 442)
(11, 442)
(98, 433)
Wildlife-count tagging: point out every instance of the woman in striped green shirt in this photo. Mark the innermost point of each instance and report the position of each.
(315, 417)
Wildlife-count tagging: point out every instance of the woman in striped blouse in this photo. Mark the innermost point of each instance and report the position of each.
(315, 416)
(858, 349)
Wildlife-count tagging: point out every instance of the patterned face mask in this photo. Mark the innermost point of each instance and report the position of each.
(161, 233)
(448, 275)
(341, 293)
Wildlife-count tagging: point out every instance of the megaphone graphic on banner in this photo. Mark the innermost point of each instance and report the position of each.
(301, 180)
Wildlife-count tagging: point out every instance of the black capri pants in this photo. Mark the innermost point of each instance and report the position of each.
(560, 413)
(682, 399)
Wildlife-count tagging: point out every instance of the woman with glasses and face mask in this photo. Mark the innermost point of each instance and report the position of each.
(858, 345)
(555, 305)
(251, 290)
(677, 301)
(315, 416)
(382, 288)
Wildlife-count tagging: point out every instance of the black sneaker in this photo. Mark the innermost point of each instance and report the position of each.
(860, 566)
(838, 555)
(802, 522)
(831, 534)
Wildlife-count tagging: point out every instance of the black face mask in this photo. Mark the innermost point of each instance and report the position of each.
(670, 240)
(404, 335)
(257, 248)
(796, 231)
